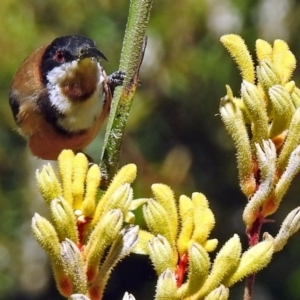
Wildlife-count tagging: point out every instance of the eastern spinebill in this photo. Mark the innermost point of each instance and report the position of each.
(60, 96)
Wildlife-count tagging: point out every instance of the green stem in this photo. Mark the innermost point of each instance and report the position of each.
(131, 58)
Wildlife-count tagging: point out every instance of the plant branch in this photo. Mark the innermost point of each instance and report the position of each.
(134, 46)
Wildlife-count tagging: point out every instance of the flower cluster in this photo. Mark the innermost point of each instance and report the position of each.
(178, 246)
(87, 236)
(264, 123)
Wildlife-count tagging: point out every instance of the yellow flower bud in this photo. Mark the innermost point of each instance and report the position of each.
(257, 112)
(252, 261)
(284, 60)
(65, 166)
(80, 166)
(166, 286)
(165, 196)
(64, 220)
(93, 178)
(263, 50)
(238, 50)
(125, 175)
(225, 263)
(203, 218)
(161, 254)
(101, 237)
(283, 109)
(235, 124)
(186, 210)
(46, 236)
(74, 266)
(210, 245)
(157, 220)
(199, 265)
(48, 184)
(220, 293)
(290, 225)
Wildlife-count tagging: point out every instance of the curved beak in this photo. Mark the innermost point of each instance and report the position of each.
(91, 52)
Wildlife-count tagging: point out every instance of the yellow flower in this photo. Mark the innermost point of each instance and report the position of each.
(85, 223)
(264, 124)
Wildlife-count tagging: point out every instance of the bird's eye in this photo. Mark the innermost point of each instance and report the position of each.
(59, 56)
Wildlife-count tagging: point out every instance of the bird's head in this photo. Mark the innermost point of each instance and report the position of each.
(71, 66)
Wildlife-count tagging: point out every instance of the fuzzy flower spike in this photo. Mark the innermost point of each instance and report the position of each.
(87, 236)
(264, 123)
(179, 247)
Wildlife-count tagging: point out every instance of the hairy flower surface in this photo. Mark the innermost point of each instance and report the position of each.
(264, 122)
(87, 235)
(179, 247)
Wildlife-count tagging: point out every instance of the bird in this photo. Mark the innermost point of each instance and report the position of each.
(60, 96)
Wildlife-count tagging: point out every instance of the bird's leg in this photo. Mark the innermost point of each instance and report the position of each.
(115, 79)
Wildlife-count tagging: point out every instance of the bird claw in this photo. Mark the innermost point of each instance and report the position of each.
(116, 79)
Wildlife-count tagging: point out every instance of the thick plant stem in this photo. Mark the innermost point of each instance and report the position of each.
(249, 287)
(253, 238)
(134, 45)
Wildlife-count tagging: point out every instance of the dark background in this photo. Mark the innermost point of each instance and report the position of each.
(174, 134)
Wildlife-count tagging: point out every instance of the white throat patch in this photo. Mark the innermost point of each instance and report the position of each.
(77, 116)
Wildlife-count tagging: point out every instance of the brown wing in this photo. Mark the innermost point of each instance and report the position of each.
(25, 90)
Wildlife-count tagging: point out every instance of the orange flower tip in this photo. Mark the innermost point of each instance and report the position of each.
(65, 286)
(249, 186)
(95, 292)
(279, 140)
(91, 274)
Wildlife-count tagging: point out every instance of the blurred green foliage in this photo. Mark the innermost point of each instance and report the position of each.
(174, 134)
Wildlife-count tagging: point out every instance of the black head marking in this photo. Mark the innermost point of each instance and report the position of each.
(66, 49)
